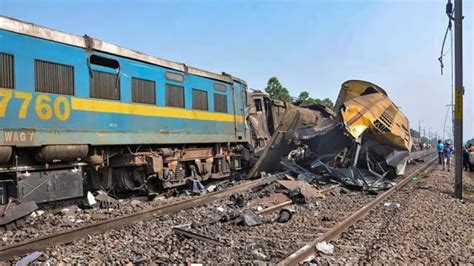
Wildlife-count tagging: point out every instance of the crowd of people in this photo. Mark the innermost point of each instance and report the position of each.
(446, 151)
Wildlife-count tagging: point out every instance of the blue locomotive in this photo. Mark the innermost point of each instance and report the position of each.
(76, 110)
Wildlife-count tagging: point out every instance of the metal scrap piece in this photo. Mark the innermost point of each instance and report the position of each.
(200, 237)
(15, 210)
(306, 189)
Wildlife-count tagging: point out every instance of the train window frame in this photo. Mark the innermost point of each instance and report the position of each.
(12, 70)
(135, 98)
(195, 104)
(220, 87)
(104, 61)
(258, 103)
(94, 75)
(217, 106)
(173, 76)
(167, 96)
(47, 69)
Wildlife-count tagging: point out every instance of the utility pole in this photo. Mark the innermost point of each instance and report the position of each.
(419, 128)
(458, 103)
(459, 91)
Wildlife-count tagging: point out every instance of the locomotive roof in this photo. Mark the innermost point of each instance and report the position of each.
(30, 29)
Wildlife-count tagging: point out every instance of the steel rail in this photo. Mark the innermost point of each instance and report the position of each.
(68, 236)
(309, 249)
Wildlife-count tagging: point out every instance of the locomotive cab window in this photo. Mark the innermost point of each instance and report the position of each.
(220, 87)
(54, 78)
(104, 61)
(174, 76)
(143, 91)
(200, 100)
(174, 96)
(220, 103)
(7, 71)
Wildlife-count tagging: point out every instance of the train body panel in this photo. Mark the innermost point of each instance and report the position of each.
(34, 118)
(76, 109)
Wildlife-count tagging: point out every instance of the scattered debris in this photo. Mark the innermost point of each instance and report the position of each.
(37, 213)
(306, 189)
(211, 188)
(69, 211)
(189, 234)
(274, 207)
(326, 248)
(29, 258)
(248, 218)
(275, 198)
(14, 213)
(238, 200)
(285, 215)
(413, 161)
(91, 199)
(195, 185)
(103, 196)
(260, 254)
(392, 204)
(296, 196)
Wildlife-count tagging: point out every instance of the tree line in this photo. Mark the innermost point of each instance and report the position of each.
(277, 91)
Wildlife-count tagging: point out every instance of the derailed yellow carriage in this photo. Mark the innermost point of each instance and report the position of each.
(363, 140)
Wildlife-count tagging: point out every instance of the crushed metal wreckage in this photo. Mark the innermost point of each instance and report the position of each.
(363, 143)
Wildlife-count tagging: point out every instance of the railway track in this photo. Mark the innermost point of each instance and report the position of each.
(68, 236)
(308, 251)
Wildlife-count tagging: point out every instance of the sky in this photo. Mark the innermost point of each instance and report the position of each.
(308, 45)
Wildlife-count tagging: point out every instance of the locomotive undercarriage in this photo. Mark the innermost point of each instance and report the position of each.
(59, 172)
(163, 168)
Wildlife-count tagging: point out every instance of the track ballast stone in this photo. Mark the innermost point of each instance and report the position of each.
(429, 227)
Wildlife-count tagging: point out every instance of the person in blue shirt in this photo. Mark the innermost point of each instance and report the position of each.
(440, 149)
(448, 153)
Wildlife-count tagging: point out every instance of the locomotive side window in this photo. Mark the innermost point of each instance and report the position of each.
(54, 78)
(220, 103)
(174, 96)
(104, 61)
(200, 100)
(104, 85)
(143, 91)
(174, 76)
(7, 71)
(220, 87)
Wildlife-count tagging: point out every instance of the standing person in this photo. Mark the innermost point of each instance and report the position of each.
(448, 153)
(440, 148)
(465, 157)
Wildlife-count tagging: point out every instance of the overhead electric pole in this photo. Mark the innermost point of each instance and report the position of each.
(458, 100)
(419, 128)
